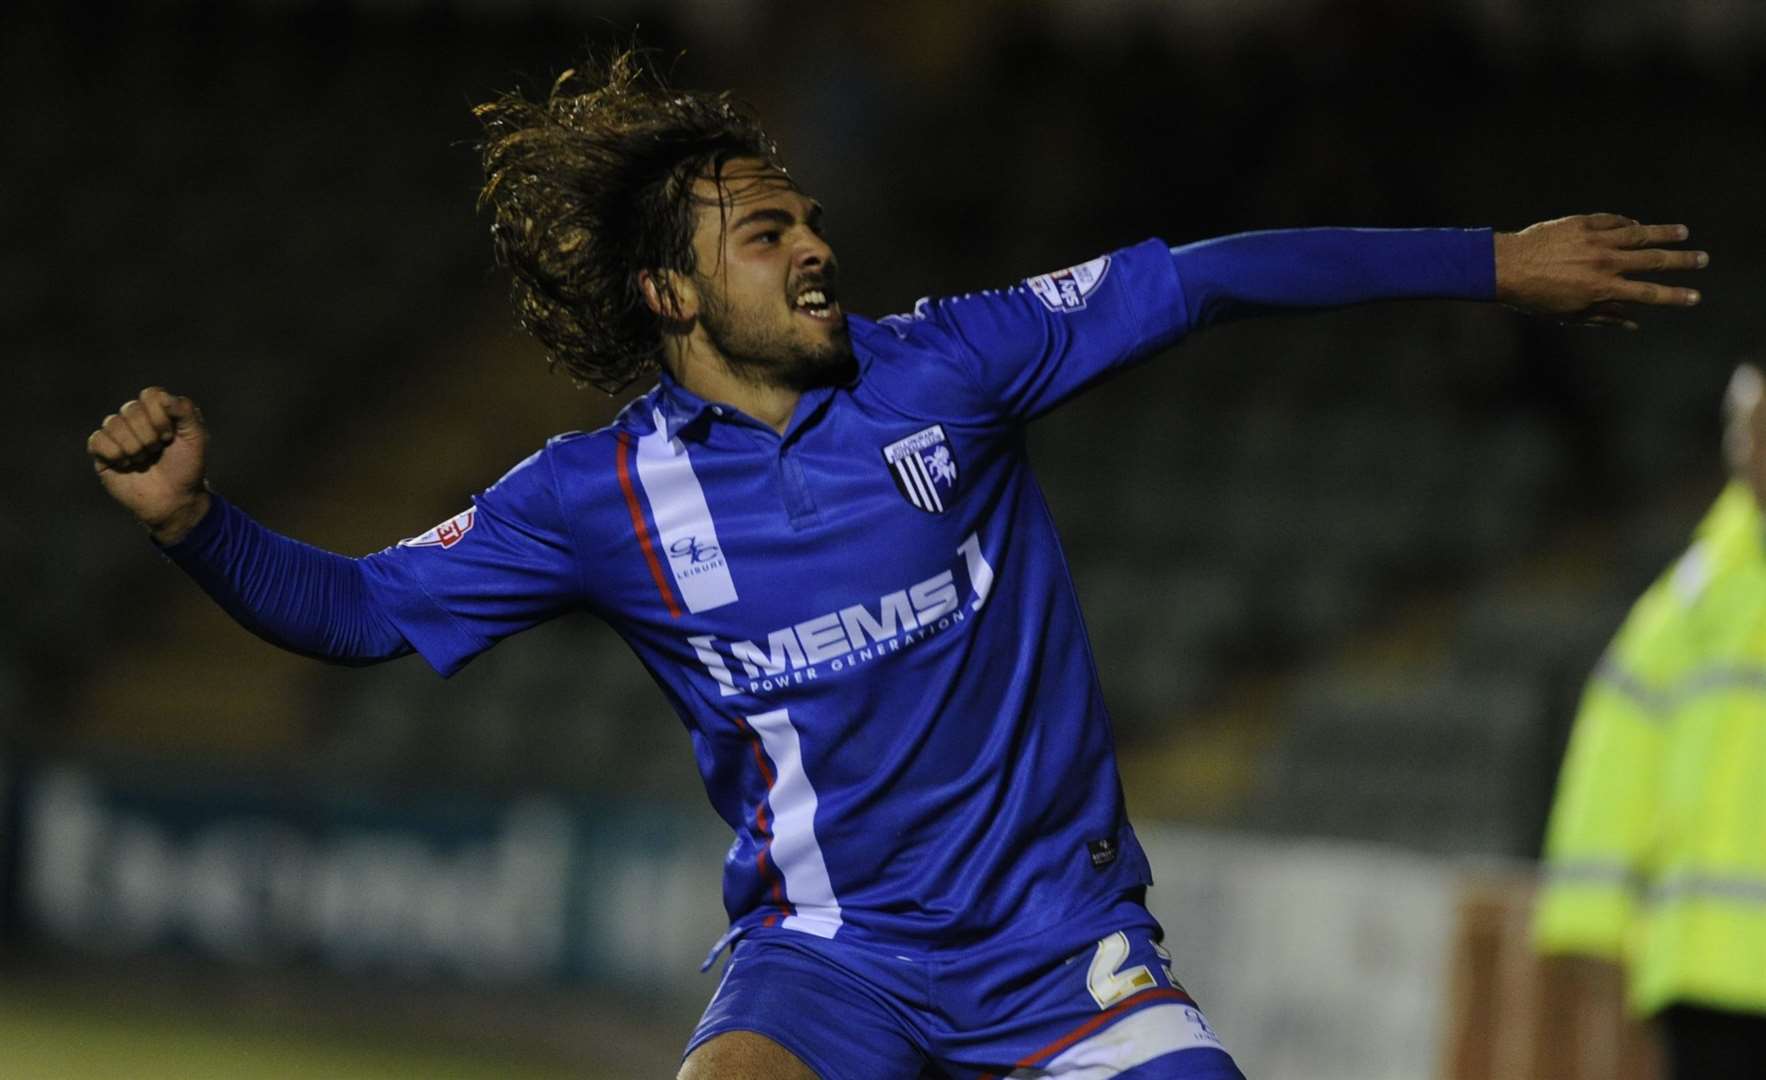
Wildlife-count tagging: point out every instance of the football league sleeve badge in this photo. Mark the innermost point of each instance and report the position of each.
(447, 534)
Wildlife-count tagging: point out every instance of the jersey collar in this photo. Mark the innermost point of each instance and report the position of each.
(682, 410)
(680, 407)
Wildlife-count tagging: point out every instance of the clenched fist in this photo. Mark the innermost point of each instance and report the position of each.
(1577, 268)
(149, 457)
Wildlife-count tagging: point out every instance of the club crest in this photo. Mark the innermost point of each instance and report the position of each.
(447, 534)
(924, 468)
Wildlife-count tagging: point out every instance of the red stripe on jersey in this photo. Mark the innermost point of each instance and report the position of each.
(760, 824)
(766, 771)
(1115, 1012)
(631, 503)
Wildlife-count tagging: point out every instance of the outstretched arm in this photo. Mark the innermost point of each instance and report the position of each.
(1027, 348)
(1574, 268)
(150, 457)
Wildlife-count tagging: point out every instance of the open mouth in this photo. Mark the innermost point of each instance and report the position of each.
(819, 303)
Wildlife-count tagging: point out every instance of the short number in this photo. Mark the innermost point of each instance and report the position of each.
(1107, 985)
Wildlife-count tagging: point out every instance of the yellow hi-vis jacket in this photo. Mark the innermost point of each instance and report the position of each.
(1660, 816)
(1701, 937)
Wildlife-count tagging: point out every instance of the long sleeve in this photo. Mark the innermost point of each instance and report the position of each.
(1234, 277)
(313, 602)
(1031, 346)
(495, 569)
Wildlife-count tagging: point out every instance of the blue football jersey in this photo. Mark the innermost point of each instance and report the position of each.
(867, 623)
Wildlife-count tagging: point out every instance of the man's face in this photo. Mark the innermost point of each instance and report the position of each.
(766, 280)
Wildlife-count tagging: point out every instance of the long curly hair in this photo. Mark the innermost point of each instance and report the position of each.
(594, 185)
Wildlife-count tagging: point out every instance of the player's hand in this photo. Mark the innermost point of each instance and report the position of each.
(1578, 268)
(149, 456)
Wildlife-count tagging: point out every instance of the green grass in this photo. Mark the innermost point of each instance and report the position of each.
(52, 1040)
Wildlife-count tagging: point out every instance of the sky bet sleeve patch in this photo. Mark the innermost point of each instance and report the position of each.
(1066, 290)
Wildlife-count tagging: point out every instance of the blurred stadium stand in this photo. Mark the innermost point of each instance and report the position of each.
(1344, 574)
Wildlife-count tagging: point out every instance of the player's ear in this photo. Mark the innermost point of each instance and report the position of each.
(669, 295)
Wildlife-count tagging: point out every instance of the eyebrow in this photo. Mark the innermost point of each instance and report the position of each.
(778, 216)
(782, 217)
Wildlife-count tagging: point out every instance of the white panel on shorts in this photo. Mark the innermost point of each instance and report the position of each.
(683, 521)
(795, 851)
(1150, 1033)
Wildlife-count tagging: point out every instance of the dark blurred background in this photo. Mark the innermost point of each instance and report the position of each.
(1344, 573)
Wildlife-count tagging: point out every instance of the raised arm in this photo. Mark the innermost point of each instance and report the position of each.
(150, 456)
(1574, 268)
(505, 564)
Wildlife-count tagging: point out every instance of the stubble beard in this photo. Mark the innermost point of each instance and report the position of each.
(762, 356)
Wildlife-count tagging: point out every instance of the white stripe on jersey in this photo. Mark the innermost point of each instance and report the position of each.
(926, 481)
(908, 485)
(1135, 1040)
(796, 853)
(918, 482)
(689, 539)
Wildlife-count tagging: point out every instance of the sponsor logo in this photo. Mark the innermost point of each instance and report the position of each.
(695, 553)
(838, 641)
(683, 521)
(1103, 852)
(447, 534)
(1199, 1029)
(690, 559)
(1066, 290)
(924, 468)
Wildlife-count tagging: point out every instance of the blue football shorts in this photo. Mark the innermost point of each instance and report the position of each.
(1048, 1005)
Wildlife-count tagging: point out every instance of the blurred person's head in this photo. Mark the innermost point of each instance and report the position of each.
(644, 224)
(1744, 429)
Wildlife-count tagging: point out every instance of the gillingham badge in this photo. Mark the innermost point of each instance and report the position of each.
(924, 468)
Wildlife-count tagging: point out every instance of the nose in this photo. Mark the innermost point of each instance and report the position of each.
(813, 252)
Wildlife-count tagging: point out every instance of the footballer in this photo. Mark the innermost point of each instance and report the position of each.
(821, 535)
